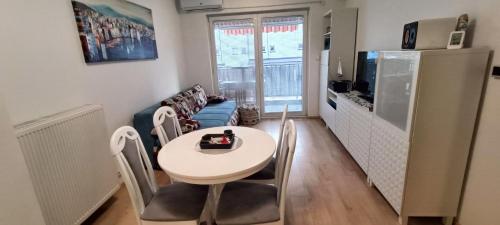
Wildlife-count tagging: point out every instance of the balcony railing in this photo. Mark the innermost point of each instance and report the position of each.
(282, 81)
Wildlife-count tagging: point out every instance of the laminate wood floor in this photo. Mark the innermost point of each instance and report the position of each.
(326, 186)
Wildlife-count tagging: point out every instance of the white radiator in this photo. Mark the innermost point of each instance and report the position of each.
(70, 163)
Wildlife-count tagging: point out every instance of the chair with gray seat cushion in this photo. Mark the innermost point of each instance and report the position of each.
(166, 124)
(253, 203)
(267, 175)
(175, 204)
(264, 176)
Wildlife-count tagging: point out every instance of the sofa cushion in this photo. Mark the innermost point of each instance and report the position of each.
(215, 110)
(212, 123)
(210, 116)
(235, 119)
(224, 105)
(214, 115)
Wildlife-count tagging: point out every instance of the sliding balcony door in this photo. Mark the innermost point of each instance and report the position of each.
(283, 42)
(233, 42)
(260, 58)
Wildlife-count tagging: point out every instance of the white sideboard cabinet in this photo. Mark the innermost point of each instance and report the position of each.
(351, 124)
(415, 144)
(425, 111)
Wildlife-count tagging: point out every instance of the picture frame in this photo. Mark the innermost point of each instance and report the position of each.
(115, 30)
(456, 40)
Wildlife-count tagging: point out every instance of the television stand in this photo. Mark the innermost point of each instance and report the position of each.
(368, 98)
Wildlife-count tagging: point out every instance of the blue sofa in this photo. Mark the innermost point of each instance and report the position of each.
(207, 115)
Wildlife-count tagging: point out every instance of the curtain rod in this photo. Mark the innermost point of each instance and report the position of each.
(275, 5)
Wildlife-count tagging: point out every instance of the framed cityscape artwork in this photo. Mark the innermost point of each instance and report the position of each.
(115, 30)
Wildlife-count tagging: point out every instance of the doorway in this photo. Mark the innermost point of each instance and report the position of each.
(260, 59)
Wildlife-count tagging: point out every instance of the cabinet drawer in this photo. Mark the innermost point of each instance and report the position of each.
(330, 117)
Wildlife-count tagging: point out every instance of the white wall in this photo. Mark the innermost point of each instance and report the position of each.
(43, 70)
(380, 27)
(18, 203)
(196, 37)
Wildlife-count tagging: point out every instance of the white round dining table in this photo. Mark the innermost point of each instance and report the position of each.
(183, 160)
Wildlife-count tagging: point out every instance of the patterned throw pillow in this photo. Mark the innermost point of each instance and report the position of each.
(180, 105)
(200, 94)
(196, 98)
(191, 101)
(187, 103)
(201, 99)
(189, 125)
(214, 99)
(186, 109)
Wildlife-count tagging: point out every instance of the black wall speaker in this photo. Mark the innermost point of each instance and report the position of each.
(428, 34)
(496, 71)
(410, 35)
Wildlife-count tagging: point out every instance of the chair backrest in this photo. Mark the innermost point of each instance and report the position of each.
(284, 162)
(280, 137)
(135, 167)
(166, 124)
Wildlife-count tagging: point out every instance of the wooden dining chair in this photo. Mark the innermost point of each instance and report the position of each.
(175, 204)
(268, 174)
(166, 124)
(253, 203)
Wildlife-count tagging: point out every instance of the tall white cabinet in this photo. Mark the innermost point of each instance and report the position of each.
(425, 110)
(328, 99)
(339, 35)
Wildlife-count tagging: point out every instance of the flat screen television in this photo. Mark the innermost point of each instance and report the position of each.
(366, 74)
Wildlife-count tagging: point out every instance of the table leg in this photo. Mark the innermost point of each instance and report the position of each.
(213, 198)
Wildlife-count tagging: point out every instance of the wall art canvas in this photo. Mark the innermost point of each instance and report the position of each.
(115, 30)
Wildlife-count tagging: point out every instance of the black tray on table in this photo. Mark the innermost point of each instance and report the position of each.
(205, 141)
